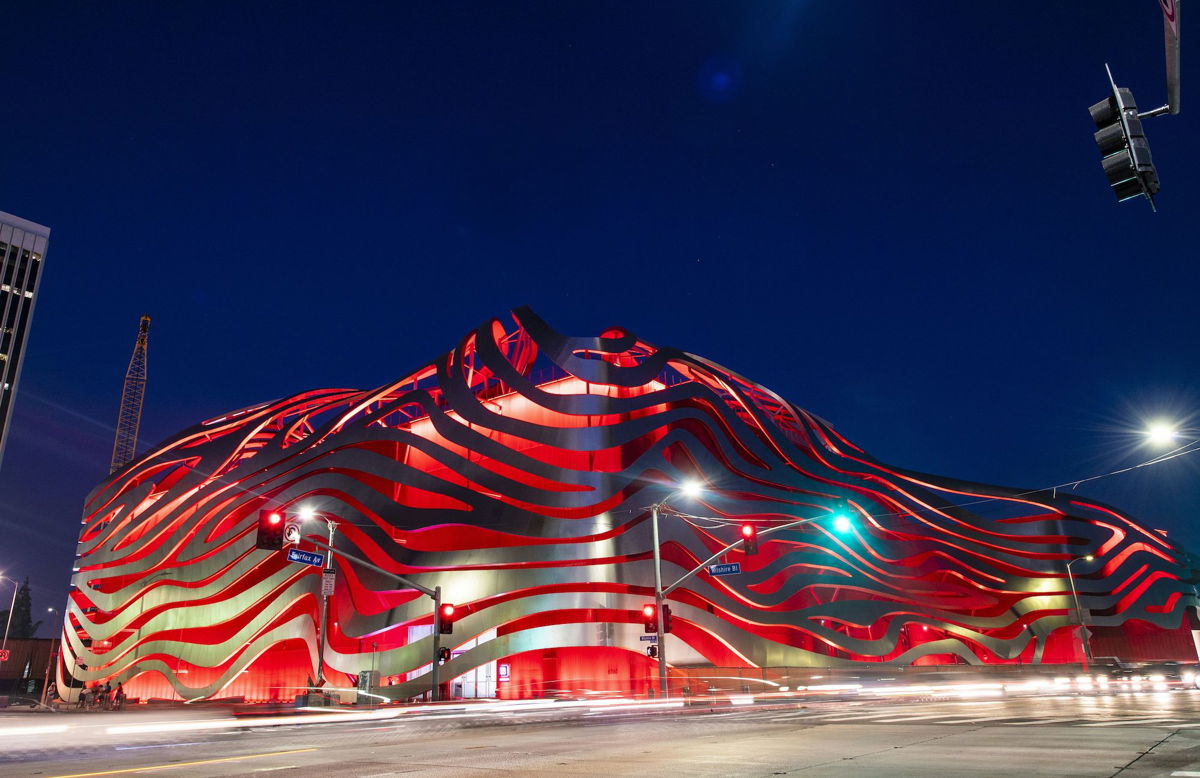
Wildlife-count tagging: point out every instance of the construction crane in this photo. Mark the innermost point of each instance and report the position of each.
(130, 416)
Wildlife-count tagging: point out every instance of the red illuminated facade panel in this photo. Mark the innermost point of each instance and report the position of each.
(516, 472)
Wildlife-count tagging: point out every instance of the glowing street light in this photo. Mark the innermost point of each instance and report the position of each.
(1161, 433)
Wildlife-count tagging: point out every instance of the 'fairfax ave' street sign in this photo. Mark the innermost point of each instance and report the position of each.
(307, 557)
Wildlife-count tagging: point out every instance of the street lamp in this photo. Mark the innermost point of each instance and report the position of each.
(309, 513)
(1160, 433)
(11, 607)
(51, 655)
(692, 489)
(1087, 649)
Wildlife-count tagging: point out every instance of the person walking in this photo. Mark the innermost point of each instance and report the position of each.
(119, 697)
(106, 700)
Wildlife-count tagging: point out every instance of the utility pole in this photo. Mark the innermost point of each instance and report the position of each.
(129, 418)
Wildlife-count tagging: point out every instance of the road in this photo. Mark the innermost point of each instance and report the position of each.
(1129, 735)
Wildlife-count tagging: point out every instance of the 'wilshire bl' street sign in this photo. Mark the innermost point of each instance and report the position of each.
(733, 568)
(307, 557)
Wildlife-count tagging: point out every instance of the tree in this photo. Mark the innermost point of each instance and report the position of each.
(22, 624)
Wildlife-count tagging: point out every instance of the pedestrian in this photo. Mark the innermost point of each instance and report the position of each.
(106, 700)
(119, 697)
(83, 697)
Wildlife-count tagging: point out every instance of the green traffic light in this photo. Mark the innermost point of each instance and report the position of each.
(842, 524)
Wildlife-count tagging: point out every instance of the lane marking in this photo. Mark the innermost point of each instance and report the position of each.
(1186, 774)
(1125, 722)
(918, 718)
(184, 764)
(49, 729)
(975, 719)
(810, 716)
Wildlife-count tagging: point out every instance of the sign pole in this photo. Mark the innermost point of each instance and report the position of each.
(658, 605)
(325, 610)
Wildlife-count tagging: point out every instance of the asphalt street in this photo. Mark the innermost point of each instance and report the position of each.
(1128, 735)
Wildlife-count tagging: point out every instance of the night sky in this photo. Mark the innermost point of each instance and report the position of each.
(893, 214)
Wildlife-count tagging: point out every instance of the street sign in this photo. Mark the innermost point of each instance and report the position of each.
(650, 638)
(733, 568)
(328, 579)
(306, 557)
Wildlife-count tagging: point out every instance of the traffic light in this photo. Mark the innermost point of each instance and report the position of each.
(666, 617)
(749, 539)
(270, 530)
(446, 625)
(650, 618)
(1124, 150)
(652, 652)
(842, 523)
(444, 654)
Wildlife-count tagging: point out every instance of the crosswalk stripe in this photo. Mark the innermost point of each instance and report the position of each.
(1042, 721)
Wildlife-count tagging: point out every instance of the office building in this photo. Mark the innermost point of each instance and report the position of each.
(22, 252)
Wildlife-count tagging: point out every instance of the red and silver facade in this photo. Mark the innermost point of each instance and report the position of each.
(516, 472)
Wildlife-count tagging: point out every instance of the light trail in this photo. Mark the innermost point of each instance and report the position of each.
(184, 764)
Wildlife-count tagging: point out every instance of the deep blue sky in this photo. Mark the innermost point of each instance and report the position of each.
(893, 214)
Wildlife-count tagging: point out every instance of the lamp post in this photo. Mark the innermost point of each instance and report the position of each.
(1087, 649)
(52, 655)
(11, 607)
(691, 489)
(307, 513)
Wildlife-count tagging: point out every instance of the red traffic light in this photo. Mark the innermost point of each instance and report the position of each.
(650, 618)
(446, 619)
(270, 530)
(749, 539)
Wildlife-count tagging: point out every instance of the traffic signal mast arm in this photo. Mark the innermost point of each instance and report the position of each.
(740, 541)
(435, 593)
(1171, 12)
